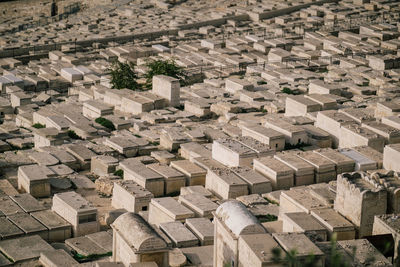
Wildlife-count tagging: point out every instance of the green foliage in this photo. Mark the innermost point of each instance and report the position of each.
(289, 91)
(82, 258)
(106, 123)
(164, 67)
(290, 259)
(38, 126)
(123, 76)
(119, 173)
(267, 218)
(334, 259)
(271, 201)
(73, 135)
(154, 143)
(297, 146)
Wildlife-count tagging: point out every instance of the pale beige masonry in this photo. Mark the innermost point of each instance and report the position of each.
(193, 150)
(300, 106)
(59, 229)
(48, 137)
(391, 134)
(179, 235)
(171, 138)
(331, 122)
(293, 134)
(391, 157)
(256, 182)
(388, 224)
(392, 185)
(232, 153)
(386, 109)
(136, 104)
(320, 87)
(274, 139)
(195, 189)
(174, 179)
(203, 229)
(20, 99)
(130, 196)
(325, 101)
(83, 154)
(336, 224)
(232, 85)
(303, 223)
(364, 250)
(393, 121)
(195, 175)
(303, 171)
(94, 109)
(103, 165)
(371, 153)
(342, 162)
(278, 55)
(198, 106)
(256, 250)
(135, 241)
(77, 211)
(354, 135)
(225, 184)
(299, 200)
(362, 162)
(317, 136)
(260, 148)
(143, 176)
(302, 244)
(280, 175)
(168, 88)
(359, 198)
(200, 205)
(167, 209)
(34, 179)
(324, 169)
(232, 220)
(360, 115)
(123, 145)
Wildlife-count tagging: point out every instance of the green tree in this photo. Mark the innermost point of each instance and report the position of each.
(106, 123)
(164, 67)
(290, 259)
(73, 135)
(38, 126)
(123, 76)
(289, 91)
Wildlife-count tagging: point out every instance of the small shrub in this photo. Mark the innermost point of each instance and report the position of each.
(119, 173)
(288, 91)
(297, 146)
(267, 218)
(38, 126)
(164, 67)
(82, 258)
(123, 76)
(106, 123)
(155, 143)
(73, 135)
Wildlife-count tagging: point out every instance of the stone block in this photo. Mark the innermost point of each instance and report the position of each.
(179, 234)
(168, 88)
